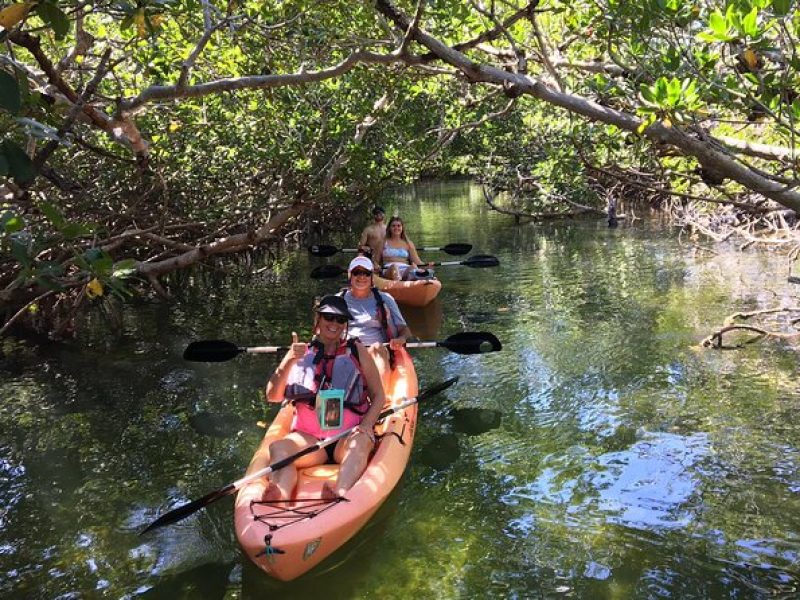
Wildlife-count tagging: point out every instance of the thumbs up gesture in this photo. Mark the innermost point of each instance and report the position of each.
(298, 349)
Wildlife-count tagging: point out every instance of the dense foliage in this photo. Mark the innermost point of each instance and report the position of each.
(141, 138)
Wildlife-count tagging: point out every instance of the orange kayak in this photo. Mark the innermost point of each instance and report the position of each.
(411, 293)
(286, 539)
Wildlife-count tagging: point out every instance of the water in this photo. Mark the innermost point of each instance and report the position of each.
(600, 455)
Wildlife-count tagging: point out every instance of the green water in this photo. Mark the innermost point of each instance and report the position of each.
(600, 455)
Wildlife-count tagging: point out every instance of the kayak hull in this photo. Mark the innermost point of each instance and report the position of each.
(287, 540)
(411, 293)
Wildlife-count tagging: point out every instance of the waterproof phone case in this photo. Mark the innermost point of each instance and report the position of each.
(330, 408)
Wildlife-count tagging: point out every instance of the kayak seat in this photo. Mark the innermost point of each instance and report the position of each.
(320, 472)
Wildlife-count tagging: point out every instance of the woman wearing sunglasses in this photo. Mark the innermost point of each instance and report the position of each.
(334, 385)
(376, 317)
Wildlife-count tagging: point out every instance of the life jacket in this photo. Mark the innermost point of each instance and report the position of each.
(318, 371)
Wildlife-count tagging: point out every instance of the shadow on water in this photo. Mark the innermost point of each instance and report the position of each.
(440, 451)
(475, 421)
(209, 581)
(425, 322)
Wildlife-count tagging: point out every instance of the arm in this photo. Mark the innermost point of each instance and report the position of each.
(374, 386)
(403, 332)
(365, 238)
(276, 386)
(416, 261)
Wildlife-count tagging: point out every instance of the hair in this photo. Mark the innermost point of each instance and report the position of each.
(393, 220)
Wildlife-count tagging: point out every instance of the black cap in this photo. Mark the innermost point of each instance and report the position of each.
(378, 209)
(334, 305)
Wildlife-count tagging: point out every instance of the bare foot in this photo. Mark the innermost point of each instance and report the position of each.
(328, 493)
(271, 493)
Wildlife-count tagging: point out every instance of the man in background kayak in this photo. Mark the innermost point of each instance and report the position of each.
(372, 237)
(376, 317)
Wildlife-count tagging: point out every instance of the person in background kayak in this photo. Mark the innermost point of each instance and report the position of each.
(334, 385)
(376, 317)
(372, 237)
(398, 255)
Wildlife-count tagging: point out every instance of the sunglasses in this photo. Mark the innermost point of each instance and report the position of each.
(360, 273)
(341, 320)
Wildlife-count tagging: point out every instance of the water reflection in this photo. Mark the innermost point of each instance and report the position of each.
(597, 456)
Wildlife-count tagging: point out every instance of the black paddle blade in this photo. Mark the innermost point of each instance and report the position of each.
(184, 510)
(472, 342)
(480, 261)
(327, 271)
(211, 351)
(436, 388)
(323, 250)
(457, 249)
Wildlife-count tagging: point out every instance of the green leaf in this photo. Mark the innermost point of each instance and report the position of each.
(74, 230)
(53, 214)
(781, 7)
(9, 93)
(49, 268)
(717, 23)
(102, 267)
(4, 168)
(124, 268)
(93, 255)
(20, 167)
(11, 222)
(20, 243)
(55, 17)
(750, 25)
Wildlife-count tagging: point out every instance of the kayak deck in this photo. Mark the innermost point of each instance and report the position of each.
(286, 539)
(412, 293)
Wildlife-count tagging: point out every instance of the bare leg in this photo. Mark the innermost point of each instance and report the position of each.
(380, 354)
(282, 482)
(352, 453)
(393, 272)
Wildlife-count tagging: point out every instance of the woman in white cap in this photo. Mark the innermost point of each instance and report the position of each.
(376, 317)
(334, 385)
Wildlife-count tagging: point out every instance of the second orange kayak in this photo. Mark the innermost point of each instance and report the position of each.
(412, 293)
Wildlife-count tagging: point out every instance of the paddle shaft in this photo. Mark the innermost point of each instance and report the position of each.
(424, 249)
(265, 349)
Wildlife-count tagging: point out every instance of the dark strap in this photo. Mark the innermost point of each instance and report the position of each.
(383, 312)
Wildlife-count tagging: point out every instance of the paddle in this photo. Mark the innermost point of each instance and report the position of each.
(466, 342)
(327, 250)
(220, 350)
(193, 506)
(478, 261)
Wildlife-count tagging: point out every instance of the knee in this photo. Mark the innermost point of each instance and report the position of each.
(280, 449)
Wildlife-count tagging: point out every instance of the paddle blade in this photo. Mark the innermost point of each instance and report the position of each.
(322, 250)
(472, 342)
(327, 271)
(189, 508)
(211, 351)
(481, 261)
(457, 249)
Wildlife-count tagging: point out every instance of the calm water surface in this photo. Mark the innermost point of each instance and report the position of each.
(600, 455)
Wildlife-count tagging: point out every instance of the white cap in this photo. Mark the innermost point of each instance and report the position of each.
(360, 261)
